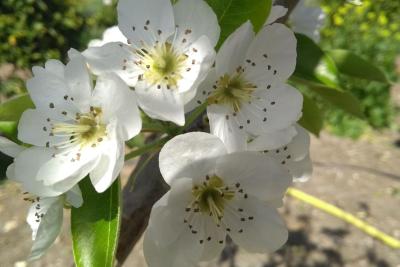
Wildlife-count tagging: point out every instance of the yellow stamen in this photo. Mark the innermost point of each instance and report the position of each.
(233, 91)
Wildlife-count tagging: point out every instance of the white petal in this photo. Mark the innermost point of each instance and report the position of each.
(112, 34)
(272, 140)
(45, 229)
(65, 167)
(9, 148)
(190, 155)
(195, 98)
(214, 246)
(300, 146)
(167, 215)
(119, 102)
(161, 104)
(201, 57)
(26, 169)
(188, 249)
(271, 110)
(195, 18)
(265, 232)
(146, 21)
(109, 166)
(295, 155)
(112, 57)
(51, 94)
(182, 253)
(74, 197)
(33, 186)
(56, 67)
(35, 127)
(78, 80)
(301, 170)
(232, 53)
(276, 13)
(223, 125)
(307, 20)
(259, 175)
(272, 55)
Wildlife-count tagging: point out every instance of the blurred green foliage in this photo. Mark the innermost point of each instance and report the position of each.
(32, 31)
(372, 31)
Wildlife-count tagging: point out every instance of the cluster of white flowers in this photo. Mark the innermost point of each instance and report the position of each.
(161, 59)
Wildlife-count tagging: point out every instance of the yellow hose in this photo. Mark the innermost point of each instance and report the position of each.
(345, 216)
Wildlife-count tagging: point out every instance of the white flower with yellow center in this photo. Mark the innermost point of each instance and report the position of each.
(246, 91)
(75, 130)
(170, 50)
(214, 194)
(45, 215)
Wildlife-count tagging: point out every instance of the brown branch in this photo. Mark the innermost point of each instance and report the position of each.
(148, 187)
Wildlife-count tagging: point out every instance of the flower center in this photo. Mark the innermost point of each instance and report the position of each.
(232, 90)
(86, 129)
(211, 196)
(162, 65)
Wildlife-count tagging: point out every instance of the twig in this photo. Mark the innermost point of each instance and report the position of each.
(148, 187)
(345, 216)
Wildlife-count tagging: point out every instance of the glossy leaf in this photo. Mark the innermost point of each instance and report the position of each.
(9, 129)
(353, 65)
(313, 64)
(95, 226)
(313, 118)
(340, 99)
(233, 13)
(12, 109)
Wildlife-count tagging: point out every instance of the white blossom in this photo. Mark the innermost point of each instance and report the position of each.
(45, 215)
(293, 155)
(170, 50)
(306, 18)
(214, 194)
(246, 91)
(75, 129)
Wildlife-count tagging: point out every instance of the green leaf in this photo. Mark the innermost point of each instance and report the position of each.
(233, 13)
(12, 109)
(312, 118)
(352, 65)
(334, 95)
(341, 99)
(313, 64)
(95, 226)
(9, 129)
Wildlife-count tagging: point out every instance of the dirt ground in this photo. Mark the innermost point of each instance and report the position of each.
(362, 177)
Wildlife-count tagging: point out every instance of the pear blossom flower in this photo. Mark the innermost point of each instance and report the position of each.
(75, 129)
(308, 18)
(246, 91)
(112, 34)
(45, 215)
(294, 155)
(214, 194)
(169, 52)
